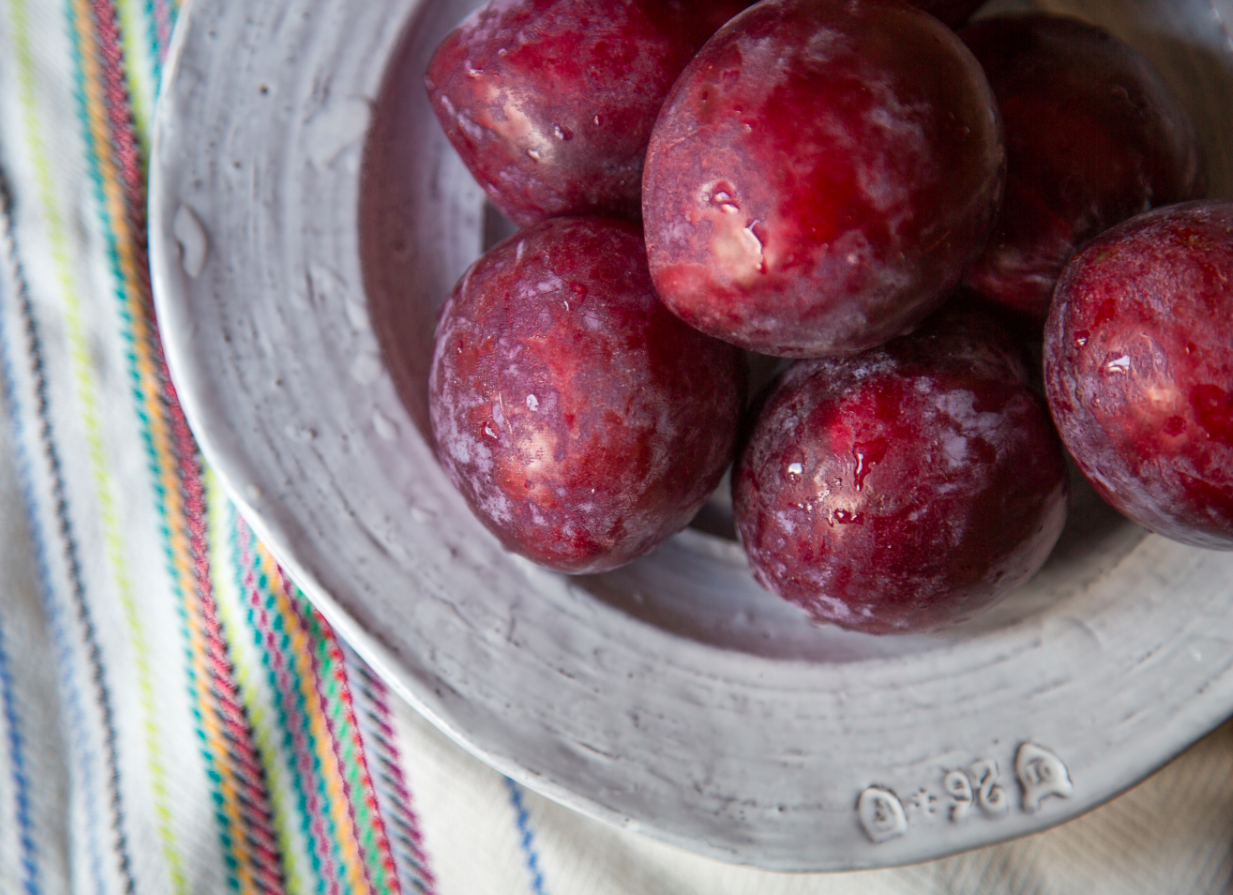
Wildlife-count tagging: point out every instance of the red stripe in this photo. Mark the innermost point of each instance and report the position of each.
(295, 723)
(324, 632)
(162, 27)
(125, 148)
(385, 851)
(398, 798)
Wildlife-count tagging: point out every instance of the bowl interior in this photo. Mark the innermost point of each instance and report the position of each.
(423, 220)
(672, 696)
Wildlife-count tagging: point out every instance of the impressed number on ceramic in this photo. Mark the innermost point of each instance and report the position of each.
(977, 790)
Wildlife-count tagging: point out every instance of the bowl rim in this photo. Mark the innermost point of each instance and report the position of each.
(225, 449)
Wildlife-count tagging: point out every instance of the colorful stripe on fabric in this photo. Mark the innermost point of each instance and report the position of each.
(163, 19)
(21, 783)
(142, 59)
(59, 501)
(35, 462)
(282, 664)
(344, 810)
(376, 723)
(243, 812)
(308, 709)
(105, 489)
(334, 691)
(220, 517)
(16, 742)
(527, 840)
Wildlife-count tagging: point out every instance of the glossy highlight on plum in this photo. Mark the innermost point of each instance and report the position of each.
(904, 489)
(1139, 369)
(821, 176)
(582, 422)
(550, 103)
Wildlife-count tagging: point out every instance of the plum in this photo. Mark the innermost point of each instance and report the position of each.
(582, 422)
(1139, 369)
(550, 103)
(820, 176)
(904, 489)
(1093, 136)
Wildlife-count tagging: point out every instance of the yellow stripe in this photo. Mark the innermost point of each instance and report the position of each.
(248, 682)
(216, 740)
(345, 833)
(86, 394)
(177, 521)
(140, 93)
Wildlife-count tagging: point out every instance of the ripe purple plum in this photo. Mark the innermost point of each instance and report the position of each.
(1093, 136)
(904, 489)
(582, 422)
(1139, 369)
(550, 103)
(820, 176)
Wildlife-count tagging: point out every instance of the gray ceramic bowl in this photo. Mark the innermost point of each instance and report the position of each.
(306, 213)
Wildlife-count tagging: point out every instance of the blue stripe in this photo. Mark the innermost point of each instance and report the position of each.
(155, 50)
(94, 653)
(281, 701)
(528, 838)
(21, 784)
(395, 809)
(86, 757)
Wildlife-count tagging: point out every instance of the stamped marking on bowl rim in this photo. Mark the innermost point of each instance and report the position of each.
(706, 697)
(881, 814)
(1041, 774)
(966, 792)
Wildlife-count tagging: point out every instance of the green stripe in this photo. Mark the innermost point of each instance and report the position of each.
(241, 572)
(141, 80)
(346, 734)
(93, 163)
(224, 555)
(86, 394)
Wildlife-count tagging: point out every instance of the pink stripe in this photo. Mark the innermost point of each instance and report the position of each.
(317, 676)
(370, 793)
(295, 721)
(162, 28)
(396, 792)
(254, 805)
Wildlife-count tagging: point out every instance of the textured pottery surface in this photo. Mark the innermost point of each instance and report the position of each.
(306, 214)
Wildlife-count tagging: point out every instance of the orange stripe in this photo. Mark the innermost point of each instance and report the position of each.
(135, 296)
(299, 645)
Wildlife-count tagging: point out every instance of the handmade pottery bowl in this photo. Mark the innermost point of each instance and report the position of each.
(307, 220)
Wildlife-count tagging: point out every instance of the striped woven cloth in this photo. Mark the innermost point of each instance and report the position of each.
(174, 717)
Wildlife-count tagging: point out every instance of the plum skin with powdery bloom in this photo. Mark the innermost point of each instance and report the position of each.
(582, 422)
(550, 103)
(1139, 369)
(904, 489)
(820, 176)
(1093, 136)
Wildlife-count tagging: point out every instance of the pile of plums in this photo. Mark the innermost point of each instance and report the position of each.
(885, 201)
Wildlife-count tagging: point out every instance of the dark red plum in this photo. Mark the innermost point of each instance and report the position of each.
(904, 489)
(820, 176)
(582, 421)
(1093, 136)
(1139, 369)
(550, 103)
